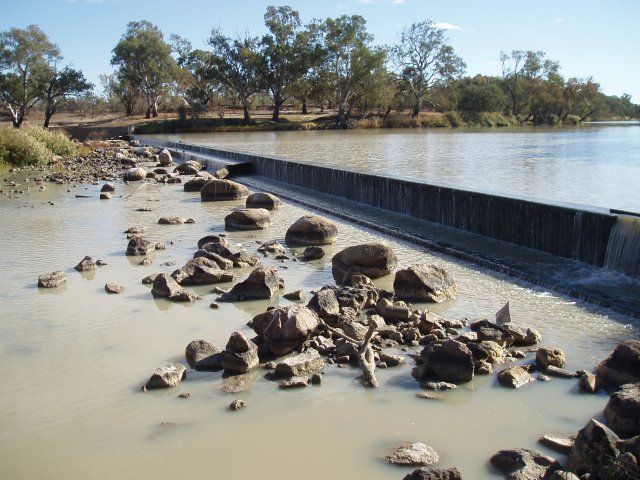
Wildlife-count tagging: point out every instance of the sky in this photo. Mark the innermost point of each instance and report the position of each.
(589, 38)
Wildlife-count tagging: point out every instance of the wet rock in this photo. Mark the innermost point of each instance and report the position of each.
(204, 356)
(449, 360)
(237, 255)
(135, 174)
(175, 220)
(52, 279)
(105, 196)
(522, 336)
(298, 365)
(324, 302)
(393, 311)
(594, 451)
(372, 259)
(164, 286)
(414, 454)
(248, 219)
(588, 382)
(139, 246)
(164, 157)
(286, 328)
(558, 443)
(213, 239)
(221, 173)
(548, 356)
(201, 271)
(262, 283)
(195, 184)
(295, 382)
(296, 296)
(623, 410)
(86, 265)
(273, 247)
(439, 386)
(190, 167)
(524, 464)
(240, 354)
(237, 404)
(562, 475)
(108, 187)
(392, 360)
(167, 376)
(311, 230)
(559, 372)
(487, 351)
(218, 190)
(263, 200)
(487, 330)
(137, 230)
(622, 366)
(514, 377)
(313, 253)
(430, 396)
(425, 283)
(113, 288)
(434, 474)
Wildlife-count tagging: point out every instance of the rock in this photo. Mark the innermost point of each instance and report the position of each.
(393, 311)
(221, 173)
(302, 364)
(202, 355)
(295, 382)
(237, 255)
(201, 271)
(588, 382)
(439, 386)
(622, 366)
(434, 474)
(296, 296)
(430, 396)
(285, 328)
(487, 330)
(594, 450)
(174, 220)
(514, 377)
(324, 302)
(135, 174)
(237, 405)
(164, 286)
(240, 355)
(273, 247)
(262, 283)
(562, 475)
(113, 288)
(105, 196)
(372, 259)
(392, 360)
(546, 356)
(559, 372)
(558, 443)
(139, 246)
(248, 219)
(313, 253)
(167, 376)
(218, 190)
(522, 336)
(623, 410)
(190, 167)
(195, 184)
(108, 187)
(164, 157)
(52, 279)
(450, 361)
(86, 265)
(487, 351)
(524, 464)
(415, 454)
(214, 239)
(138, 230)
(311, 230)
(424, 283)
(263, 200)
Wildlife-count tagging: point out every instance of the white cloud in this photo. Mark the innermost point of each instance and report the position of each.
(447, 26)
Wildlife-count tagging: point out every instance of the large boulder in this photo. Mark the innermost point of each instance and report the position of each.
(286, 328)
(239, 257)
(218, 190)
(167, 376)
(311, 230)
(164, 157)
(622, 366)
(623, 410)
(248, 219)
(86, 265)
(240, 354)
(139, 246)
(261, 284)
(489, 331)
(201, 271)
(424, 283)
(371, 259)
(264, 200)
(550, 356)
(595, 451)
(195, 184)
(52, 279)
(164, 286)
(202, 355)
(451, 361)
(524, 464)
(134, 174)
(190, 167)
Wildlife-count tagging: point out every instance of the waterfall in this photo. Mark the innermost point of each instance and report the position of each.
(623, 249)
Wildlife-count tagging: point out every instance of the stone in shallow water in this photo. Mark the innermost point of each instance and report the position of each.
(416, 453)
(52, 280)
(167, 376)
(113, 288)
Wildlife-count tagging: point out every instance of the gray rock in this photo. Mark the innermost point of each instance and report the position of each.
(237, 404)
(286, 328)
(175, 220)
(105, 196)
(86, 265)
(201, 271)
(296, 296)
(392, 360)
(562, 475)
(139, 246)
(415, 454)
(164, 286)
(487, 330)
(220, 190)
(559, 372)
(52, 279)
(113, 288)
(190, 167)
(594, 450)
(450, 361)
(623, 410)
(136, 230)
(311, 230)
(167, 376)
(298, 365)
(588, 382)
(195, 184)
(164, 157)
(524, 464)
(558, 443)
(295, 382)
(324, 302)
(522, 336)
(273, 247)
(546, 356)
(622, 366)
(202, 355)
(434, 474)
(240, 355)
(248, 219)
(425, 283)
(313, 253)
(262, 283)
(372, 259)
(135, 174)
(108, 187)
(264, 200)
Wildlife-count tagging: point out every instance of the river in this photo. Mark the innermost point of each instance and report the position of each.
(596, 165)
(73, 359)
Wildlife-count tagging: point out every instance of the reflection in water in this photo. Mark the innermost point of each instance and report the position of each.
(73, 362)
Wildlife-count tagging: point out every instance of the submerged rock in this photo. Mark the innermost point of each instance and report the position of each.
(524, 464)
(167, 376)
(415, 454)
(52, 279)
(450, 361)
(86, 265)
(164, 286)
(434, 474)
(113, 288)
(139, 246)
(298, 365)
(514, 377)
(264, 200)
(217, 190)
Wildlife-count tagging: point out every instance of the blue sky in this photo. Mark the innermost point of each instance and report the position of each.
(587, 37)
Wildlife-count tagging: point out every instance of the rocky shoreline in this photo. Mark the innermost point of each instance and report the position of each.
(353, 324)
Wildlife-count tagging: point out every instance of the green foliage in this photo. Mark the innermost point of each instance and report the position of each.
(55, 141)
(33, 145)
(489, 119)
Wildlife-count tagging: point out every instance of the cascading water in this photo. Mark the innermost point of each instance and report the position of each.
(623, 249)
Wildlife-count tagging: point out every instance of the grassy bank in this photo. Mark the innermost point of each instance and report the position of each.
(33, 145)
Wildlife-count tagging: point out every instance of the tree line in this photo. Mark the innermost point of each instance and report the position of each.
(331, 63)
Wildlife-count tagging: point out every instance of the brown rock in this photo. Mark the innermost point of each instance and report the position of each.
(425, 283)
(312, 230)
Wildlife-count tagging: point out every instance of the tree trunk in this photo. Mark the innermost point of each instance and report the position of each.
(148, 112)
(304, 106)
(47, 116)
(277, 103)
(417, 106)
(341, 120)
(245, 111)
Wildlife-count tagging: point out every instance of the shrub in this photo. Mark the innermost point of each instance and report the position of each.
(55, 141)
(20, 149)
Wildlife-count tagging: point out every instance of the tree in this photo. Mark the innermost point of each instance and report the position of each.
(287, 53)
(239, 65)
(62, 85)
(350, 61)
(481, 94)
(144, 60)
(424, 59)
(120, 91)
(198, 79)
(26, 57)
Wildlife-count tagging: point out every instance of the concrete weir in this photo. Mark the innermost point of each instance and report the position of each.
(594, 236)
